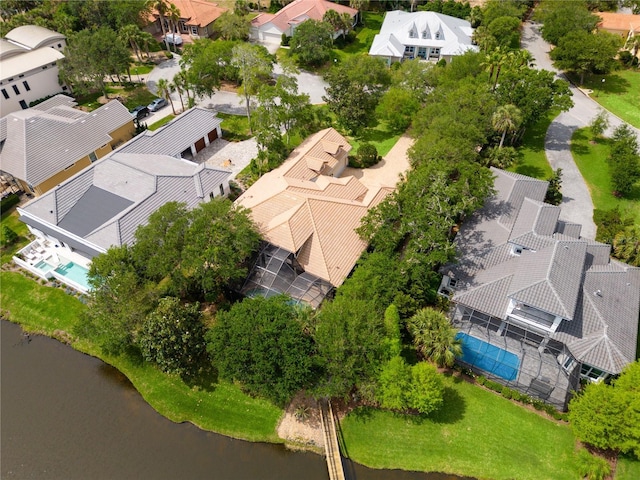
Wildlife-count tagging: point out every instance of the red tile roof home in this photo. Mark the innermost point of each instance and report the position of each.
(620, 23)
(300, 10)
(195, 12)
(303, 208)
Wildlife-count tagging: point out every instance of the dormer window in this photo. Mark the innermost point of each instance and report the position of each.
(438, 35)
(412, 33)
(424, 34)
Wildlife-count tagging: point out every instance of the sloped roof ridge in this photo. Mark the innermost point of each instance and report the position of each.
(307, 205)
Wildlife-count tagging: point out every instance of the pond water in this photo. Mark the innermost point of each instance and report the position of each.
(66, 415)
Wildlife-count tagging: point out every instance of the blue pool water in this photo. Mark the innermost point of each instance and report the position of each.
(488, 357)
(43, 266)
(75, 273)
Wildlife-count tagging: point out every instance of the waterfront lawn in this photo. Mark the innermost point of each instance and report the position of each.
(477, 433)
(10, 219)
(592, 162)
(627, 469)
(533, 159)
(211, 405)
(619, 93)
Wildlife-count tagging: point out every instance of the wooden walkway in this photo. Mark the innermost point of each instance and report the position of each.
(331, 446)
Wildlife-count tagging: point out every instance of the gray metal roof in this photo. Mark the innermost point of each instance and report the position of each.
(176, 136)
(40, 143)
(106, 202)
(557, 273)
(93, 209)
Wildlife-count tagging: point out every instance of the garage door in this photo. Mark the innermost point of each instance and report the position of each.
(213, 134)
(200, 144)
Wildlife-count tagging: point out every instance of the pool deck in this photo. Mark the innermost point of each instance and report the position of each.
(539, 374)
(53, 254)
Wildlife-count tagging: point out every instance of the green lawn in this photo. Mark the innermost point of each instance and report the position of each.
(10, 219)
(216, 406)
(235, 128)
(592, 162)
(627, 469)
(619, 93)
(533, 161)
(364, 37)
(380, 136)
(477, 433)
(161, 122)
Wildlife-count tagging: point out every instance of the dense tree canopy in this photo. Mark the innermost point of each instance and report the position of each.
(207, 63)
(90, 57)
(608, 416)
(582, 52)
(355, 88)
(560, 17)
(260, 343)
(172, 337)
(311, 42)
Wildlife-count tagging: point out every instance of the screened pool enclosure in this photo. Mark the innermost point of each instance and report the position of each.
(276, 271)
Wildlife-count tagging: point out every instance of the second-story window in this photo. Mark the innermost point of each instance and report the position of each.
(15, 89)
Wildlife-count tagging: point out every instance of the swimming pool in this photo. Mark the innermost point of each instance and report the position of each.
(74, 272)
(488, 357)
(43, 266)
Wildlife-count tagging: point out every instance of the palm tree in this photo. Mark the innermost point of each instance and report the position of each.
(173, 14)
(633, 44)
(507, 118)
(164, 89)
(493, 64)
(161, 6)
(179, 83)
(434, 337)
(626, 245)
(145, 39)
(131, 33)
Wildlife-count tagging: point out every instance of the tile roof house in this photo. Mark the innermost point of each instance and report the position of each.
(307, 210)
(47, 144)
(103, 205)
(529, 288)
(424, 35)
(28, 66)
(623, 24)
(269, 27)
(196, 19)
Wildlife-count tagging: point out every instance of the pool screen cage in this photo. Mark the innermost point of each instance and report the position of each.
(540, 371)
(276, 271)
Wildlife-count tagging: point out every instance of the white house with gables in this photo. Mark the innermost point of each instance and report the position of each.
(428, 36)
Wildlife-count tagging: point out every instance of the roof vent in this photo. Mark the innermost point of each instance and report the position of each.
(598, 293)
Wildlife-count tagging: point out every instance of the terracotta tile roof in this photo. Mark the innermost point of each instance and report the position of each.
(300, 10)
(619, 21)
(195, 12)
(311, 214)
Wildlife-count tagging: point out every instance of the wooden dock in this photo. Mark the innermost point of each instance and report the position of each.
(331, 446)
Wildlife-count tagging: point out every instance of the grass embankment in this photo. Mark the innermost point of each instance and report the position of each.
(627, 469)
(10, 218)
(533, 159)
(477, 433)
(591, 159)
(211, 405)
(161, 122)
(619, 93)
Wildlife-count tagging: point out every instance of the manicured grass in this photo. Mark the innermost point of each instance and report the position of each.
(235, 128)
(364, 37)
(161, 122)
(141, 69)
(619, 93)
(211, 405)
(477, 433)
(10, 219)
(380, 136)
(592, 162)
(533, 161)
(627, 469)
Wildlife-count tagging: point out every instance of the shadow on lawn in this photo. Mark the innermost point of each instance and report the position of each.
(530, 171)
